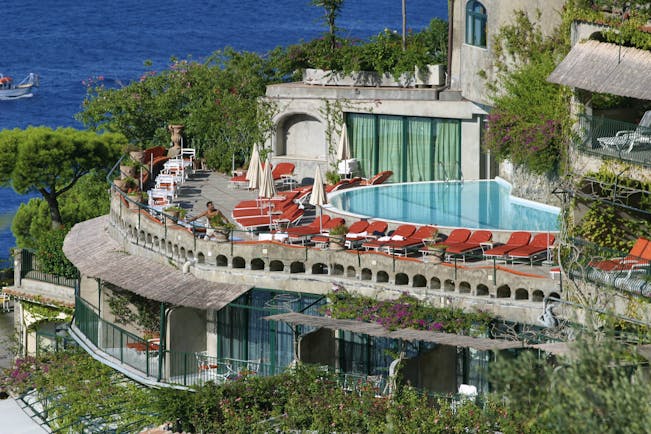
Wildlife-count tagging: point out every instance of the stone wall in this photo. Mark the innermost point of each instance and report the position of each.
(530, 186)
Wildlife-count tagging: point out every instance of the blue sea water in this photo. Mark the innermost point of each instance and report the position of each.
(66, 42)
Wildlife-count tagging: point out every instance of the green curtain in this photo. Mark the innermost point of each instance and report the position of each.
(390, 145)
(362, 135)
(447, 150)
(419, 149)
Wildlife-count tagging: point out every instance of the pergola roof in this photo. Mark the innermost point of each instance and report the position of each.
(404, 334)
(90, 248)
(606, 68)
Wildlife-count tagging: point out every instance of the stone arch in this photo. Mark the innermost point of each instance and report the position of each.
(337, 270)
(257, 264)
(435, 283)
(419, 281)
(297, 267)
(448, 285)
(156, 243)
(142, 236)
(482, 290)
(239, 262)
(319, 268)
(382, 276)
(291, 130)
(201, 258)
(521, 294)
(176, 250)
(170, 248)
(367, 274)
(537, 295)
(150, 239)
(504, 291)
(276, 265)
(182, 254)
(402, 279)
(464, 288)
(221, 260)
(554, 295)
(190, 255)
(351, 272)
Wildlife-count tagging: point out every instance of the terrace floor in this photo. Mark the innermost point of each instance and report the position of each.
(206, 185)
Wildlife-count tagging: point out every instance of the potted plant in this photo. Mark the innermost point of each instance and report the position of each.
(125, 184)
(222, 228)
(337, 237)
(129, 167)
(136, 153)
(176, 212)
(332, 177)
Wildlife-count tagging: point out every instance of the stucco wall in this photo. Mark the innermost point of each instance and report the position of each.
(468, 60)
(301, 122)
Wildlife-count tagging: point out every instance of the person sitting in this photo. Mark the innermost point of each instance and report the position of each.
(210, 211)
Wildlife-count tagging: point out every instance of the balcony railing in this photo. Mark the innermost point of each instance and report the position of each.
(632, 147)
(30, 269)
(176, 367)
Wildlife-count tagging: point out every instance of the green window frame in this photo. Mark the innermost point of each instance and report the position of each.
(476, 18)
(414, 148)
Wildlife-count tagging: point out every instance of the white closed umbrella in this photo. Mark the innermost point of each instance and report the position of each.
(343, 150)
(254, 172)
(318, 196)
(267, 187)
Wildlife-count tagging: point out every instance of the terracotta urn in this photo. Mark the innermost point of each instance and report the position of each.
(175, 131)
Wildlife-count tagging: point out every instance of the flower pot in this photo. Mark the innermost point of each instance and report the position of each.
(337, 242)
(129, 171)
(174, 213)
(138, 156)
(121, 184)
(221, 235)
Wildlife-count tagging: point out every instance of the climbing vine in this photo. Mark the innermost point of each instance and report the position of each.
(46, 313)
(146, 314)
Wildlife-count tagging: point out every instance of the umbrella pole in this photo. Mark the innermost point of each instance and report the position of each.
(320, 219)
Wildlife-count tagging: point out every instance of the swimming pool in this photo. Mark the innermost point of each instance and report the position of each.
(483, 204)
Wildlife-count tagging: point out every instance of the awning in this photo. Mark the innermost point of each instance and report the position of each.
(92, 250)
(606, 68)
(377, 330)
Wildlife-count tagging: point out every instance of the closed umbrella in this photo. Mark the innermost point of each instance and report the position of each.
(343, 151)
(267, 187)
(318, 197)
(254, 172)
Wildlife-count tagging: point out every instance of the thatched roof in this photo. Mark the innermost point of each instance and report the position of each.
(606, 68)
(404, 334)
(90, 248)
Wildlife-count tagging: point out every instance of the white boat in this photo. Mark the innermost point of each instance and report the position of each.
(9, 89)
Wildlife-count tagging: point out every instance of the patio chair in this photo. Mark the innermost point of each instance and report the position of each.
(377, 179)
(239, 180)
(255, 222)
(626, 140)
(402, 232)
(538, 246)
(472, 244)
(637, 259)
(305, 234)
(374, 230)
(413, 242)
(261, 203)
(283, 170)
(356, 228)
(266, 208)
(517, 239)
(456, 237)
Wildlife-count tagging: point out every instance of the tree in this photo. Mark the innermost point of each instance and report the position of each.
(217, 100)
(332, 10)
(86, 200)
(51, 162)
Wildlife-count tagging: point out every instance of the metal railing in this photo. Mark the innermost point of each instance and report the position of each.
(592, 128)
(177, 367)
(30, 269)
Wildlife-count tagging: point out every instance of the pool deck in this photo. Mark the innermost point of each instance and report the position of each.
(206, 185)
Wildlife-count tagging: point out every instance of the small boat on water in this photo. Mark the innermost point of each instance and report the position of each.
(9, 89)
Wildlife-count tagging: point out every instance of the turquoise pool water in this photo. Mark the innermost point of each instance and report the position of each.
(470, 204)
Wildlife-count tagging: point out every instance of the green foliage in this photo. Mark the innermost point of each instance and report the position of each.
(381, 53)
(626, 28)
(218, 101)
(50, 162)
(146, 315)
(405, 312)
(50, 255)
(87, 199)
(332, 9)
(80, 389)
(601, 386)
(530, 120)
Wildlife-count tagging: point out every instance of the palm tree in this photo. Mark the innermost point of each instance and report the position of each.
(332, 10)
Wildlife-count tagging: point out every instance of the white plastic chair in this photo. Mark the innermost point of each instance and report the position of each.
(626, 140)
